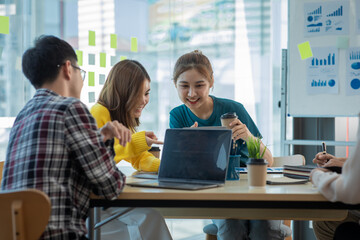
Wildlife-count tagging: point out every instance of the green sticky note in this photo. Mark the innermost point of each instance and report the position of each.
(305, 50)
(113, 40)
(91, 38)
(123, 58)
(101, 79)
(342, 42)
(102, 59)
(91, 79)
(91, 59)
(91, 97)
(79, 55)
(134, 44)
(4, 24)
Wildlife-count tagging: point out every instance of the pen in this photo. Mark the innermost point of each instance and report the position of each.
(323, 147)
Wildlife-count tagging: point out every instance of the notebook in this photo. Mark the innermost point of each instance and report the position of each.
(192, 158)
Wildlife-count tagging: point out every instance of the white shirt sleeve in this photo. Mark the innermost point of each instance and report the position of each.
(343, 187)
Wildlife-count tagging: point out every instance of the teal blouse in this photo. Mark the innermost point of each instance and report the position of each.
(182, 116)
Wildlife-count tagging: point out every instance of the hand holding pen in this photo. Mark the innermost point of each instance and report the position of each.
(322, 157)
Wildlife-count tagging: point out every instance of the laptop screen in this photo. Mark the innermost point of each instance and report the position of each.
(195, 154)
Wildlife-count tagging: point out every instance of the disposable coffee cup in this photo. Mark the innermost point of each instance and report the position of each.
(155, 151)
(227, 118)
(257, 172)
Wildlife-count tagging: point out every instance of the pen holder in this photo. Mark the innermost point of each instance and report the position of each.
(234, 161)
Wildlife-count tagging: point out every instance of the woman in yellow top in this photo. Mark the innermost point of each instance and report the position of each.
(125, 94)
(123, 97)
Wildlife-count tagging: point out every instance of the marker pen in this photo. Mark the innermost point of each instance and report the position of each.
(323, 147)
(324, 150)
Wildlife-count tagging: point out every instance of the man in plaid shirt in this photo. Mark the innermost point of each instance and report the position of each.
(55, 145)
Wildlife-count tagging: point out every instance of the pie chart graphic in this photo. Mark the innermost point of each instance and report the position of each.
(355, 65)
(355, 83)
(331, 83)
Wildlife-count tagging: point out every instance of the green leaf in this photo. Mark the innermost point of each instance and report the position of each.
(254, 148)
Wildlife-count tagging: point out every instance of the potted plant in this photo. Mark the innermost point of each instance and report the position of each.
(256, 165)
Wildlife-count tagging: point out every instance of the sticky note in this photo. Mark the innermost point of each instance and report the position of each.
(18, 64)
(91, 59)
(91, 79)
(91, 97)
(342, 42)
(123, 58)
(79, 55)
(113, 40)
(134, 44)
(4, 24)
(305, 50)
(91, 38)
(102, 59)
(113, 60)
(101, 79)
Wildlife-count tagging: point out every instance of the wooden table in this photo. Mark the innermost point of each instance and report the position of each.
(234, 200)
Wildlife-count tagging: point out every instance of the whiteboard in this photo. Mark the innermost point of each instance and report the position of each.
(299, 102)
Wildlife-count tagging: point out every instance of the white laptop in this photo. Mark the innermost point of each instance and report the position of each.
(192, 158)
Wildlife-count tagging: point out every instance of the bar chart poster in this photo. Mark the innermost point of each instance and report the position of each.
(323, 71)
(353, 71)
(326, 18)
(357, 7)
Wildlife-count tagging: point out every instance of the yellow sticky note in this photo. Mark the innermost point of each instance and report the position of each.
(123, 58)
(102, 59)
(91, 38)
(113, 40)
(79, 55)
(305, 50)
(134, 44)
(4, 24)
(91, 79)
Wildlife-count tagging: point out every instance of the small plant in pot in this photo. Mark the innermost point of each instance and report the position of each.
(256, 165)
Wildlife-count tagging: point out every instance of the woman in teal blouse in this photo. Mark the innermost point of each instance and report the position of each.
(193, 78)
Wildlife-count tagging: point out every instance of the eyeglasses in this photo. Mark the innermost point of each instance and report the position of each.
(82, 72)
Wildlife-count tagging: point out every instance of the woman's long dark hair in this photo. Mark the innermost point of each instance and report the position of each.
(122, 89)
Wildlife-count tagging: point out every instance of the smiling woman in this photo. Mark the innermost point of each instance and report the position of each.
(125, 94)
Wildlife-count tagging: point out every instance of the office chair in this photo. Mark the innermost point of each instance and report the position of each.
(24, 214)
(1, 170)
(211, 229)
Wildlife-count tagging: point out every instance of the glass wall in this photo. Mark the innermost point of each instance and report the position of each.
(242, 38)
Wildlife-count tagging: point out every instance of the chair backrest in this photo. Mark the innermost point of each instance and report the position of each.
(1, 170)
(24, 214)
(297, 159)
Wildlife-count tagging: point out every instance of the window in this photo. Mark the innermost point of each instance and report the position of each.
(243, 40)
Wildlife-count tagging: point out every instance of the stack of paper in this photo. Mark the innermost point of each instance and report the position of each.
(300, 172)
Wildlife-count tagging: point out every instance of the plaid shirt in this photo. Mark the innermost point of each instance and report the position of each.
(55, 147)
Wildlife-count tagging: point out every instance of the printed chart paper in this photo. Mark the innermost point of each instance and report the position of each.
(353, 71)
(323, 71)
(326, 18)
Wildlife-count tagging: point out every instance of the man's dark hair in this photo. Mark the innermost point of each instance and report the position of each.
(41, 63)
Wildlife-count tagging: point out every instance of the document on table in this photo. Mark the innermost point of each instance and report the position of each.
(277, 170)
(285, 180)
